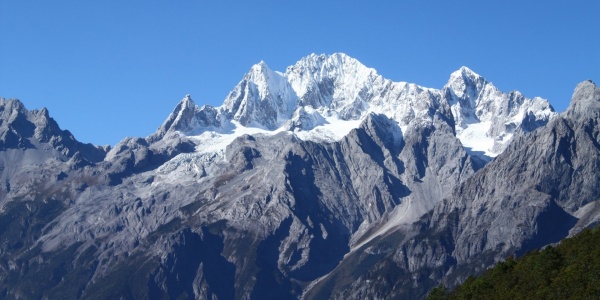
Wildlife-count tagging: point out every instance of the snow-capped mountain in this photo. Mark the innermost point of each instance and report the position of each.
(486, 119)
(309, 183)
(323, 97)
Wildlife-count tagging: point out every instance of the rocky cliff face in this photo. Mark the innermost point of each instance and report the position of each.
(297, 180)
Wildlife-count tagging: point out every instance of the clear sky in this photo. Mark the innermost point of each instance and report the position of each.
(111, 69)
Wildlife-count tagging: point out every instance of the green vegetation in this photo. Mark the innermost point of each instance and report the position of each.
(570, 270)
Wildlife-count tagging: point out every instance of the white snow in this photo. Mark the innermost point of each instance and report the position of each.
(475, 138)
(214, 141)
(334, 130)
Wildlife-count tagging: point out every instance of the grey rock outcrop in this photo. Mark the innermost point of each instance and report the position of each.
(23, 129)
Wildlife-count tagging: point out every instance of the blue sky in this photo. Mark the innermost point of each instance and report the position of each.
(111, 69)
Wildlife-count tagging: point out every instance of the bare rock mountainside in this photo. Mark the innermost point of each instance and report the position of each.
(323, 181)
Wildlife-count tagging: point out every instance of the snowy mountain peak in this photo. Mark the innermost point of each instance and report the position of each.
(259, 71)
(338, 59)
(268, 99)
(187, 103)
(322, 97)
(465, 84)
(187, 118)
(265, 79)
(466, 74)
(263, 98)
(336, 81)
(486, 118)
(319, 68)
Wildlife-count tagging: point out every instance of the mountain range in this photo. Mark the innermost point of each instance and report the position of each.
(323, 181)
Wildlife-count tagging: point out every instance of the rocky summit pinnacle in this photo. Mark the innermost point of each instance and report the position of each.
(324, 181)
(586, 100)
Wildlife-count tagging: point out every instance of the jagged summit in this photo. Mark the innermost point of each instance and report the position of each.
(465, 76)
(318, 67)
(331, 80)
(22, 129)
(486, 118)
(320, 94)
(585, 102)
(187, 117)
(262, 99)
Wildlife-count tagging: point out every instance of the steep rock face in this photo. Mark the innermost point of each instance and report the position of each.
(542, 188)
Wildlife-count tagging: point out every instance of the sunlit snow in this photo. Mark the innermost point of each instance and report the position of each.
(334, 130)
(474, 138)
